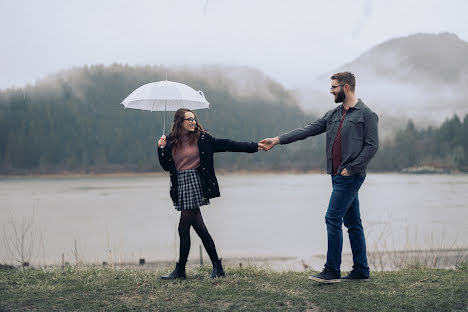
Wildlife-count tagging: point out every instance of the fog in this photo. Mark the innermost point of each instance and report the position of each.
(402, 79)
(244, 83)
(256, 48)
(395, 104)
(292, 42)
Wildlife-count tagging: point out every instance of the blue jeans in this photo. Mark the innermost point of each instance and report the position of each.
(344, 208)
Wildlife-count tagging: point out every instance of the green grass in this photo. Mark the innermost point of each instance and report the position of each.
(85, 288)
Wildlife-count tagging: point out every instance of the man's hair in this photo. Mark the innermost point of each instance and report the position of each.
(345, 78)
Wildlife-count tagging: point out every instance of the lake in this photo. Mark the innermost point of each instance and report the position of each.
(277, 219)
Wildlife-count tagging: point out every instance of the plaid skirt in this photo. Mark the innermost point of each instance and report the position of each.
(189, 194)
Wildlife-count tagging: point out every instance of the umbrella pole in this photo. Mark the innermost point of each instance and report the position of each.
(164, 127)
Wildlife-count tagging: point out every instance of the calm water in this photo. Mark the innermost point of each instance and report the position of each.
(124, 218)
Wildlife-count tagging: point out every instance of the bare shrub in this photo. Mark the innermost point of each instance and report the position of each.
(382, 254)
(22, 241)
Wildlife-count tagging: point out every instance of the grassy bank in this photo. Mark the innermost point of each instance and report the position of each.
(245, 289)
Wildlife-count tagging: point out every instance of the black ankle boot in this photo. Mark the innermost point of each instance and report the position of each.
(179, 272)
(217, 269)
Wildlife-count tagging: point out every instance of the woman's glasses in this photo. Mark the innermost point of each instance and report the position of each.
(191, 119)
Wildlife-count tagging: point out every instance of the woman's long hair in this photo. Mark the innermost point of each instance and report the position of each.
(178, 130)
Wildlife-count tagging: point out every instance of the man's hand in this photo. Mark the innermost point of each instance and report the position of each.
(269, 143)
(345, 172)
(162, 141)
(261, 146)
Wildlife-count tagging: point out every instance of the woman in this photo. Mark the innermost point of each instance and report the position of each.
(187, 154)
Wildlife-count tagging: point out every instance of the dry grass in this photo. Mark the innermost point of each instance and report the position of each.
(84, 288)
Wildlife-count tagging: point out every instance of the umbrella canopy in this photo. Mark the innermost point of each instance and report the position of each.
(165, 96)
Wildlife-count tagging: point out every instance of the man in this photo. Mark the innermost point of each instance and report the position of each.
(351, 142)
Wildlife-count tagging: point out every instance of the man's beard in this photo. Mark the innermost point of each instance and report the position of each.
(340, 97)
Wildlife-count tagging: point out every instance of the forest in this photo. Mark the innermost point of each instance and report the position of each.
(72, 121)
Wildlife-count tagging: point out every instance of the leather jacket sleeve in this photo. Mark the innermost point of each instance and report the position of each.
(164, 157)
(225, 145)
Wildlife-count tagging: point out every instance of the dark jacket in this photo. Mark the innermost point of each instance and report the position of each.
(207, 145)
(359, 136)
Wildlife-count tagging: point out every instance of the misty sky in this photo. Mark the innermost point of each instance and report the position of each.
(291, 41)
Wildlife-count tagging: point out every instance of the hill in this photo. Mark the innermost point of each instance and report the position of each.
(423, 77)
(72, 120)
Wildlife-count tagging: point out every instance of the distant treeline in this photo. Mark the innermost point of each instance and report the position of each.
(445, 147)
(73, 121)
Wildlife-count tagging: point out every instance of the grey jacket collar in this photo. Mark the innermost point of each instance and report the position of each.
(358, 105)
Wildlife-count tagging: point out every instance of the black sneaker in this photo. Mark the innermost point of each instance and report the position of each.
(355, 276)
(326, 277)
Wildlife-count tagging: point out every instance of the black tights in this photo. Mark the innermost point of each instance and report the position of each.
(194, 218)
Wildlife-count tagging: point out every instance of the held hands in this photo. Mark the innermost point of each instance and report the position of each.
(162, 141)
(268, 143)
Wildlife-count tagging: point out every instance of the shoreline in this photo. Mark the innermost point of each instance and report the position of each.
(155, 173)
(379, 261)
(220, 172)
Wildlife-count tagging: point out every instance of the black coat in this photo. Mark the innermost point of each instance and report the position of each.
(207, 145)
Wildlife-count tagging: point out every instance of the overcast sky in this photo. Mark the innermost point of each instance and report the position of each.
(291, 41)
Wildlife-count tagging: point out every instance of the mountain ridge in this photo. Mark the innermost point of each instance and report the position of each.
(421, 77)
(73, 120)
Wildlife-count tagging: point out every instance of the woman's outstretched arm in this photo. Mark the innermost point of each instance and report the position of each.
(226, 145)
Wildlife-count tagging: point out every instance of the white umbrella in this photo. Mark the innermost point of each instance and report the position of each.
(165, 96)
